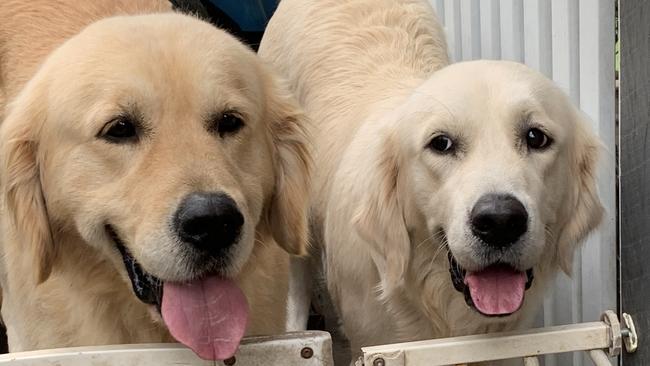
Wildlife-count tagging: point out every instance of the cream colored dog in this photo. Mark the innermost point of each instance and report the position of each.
(150, 163)
(445, 197)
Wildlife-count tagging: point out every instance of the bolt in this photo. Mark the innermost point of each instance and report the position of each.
(230, 361)
(379, 362)
(625, 332)
(306, 352)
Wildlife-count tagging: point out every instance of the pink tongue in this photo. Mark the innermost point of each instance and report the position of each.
(207, 315)
(497, 290)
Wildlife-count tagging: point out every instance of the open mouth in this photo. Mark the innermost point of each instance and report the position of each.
(208, 314)
(497, 290)
(147, 288)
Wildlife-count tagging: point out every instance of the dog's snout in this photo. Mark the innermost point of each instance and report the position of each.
(210, 222)
(499, 219)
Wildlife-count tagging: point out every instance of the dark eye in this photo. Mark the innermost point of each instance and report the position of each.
(228, 123)
(441, 144)
(536, 139)
(119, 130)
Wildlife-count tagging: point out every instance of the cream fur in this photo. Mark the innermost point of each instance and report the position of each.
(66, 68)
(373, 77)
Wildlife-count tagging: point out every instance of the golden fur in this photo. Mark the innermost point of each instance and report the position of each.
(66, 68)
(372, 75)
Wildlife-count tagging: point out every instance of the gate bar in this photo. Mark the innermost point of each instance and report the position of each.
(592, 337)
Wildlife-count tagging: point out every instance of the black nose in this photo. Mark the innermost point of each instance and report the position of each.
(210, 222)
(499, 219)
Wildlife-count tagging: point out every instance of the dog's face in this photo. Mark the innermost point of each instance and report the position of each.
(164, 144)
(498, 166)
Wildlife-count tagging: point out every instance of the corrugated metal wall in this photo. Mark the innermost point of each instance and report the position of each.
(571, 42)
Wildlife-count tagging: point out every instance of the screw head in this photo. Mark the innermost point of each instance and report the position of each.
(306, 352)
(230, 361)
(379, 362)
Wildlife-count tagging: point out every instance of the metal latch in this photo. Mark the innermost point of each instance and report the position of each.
(630, 338)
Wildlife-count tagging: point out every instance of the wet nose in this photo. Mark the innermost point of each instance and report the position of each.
(499, 220)
(210, 222)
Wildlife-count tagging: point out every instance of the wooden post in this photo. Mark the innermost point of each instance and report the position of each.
(634, 152)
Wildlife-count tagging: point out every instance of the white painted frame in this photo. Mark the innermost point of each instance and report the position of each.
(312, 348)
(599, 341)
(526, 345)
(571, 42)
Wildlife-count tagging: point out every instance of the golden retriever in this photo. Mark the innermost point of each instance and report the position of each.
(444, 197)
(149, 165)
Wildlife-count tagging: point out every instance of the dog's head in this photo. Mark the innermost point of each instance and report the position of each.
(165, 145)
(498, 166)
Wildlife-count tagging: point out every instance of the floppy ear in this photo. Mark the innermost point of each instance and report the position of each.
(288, 211)
(379, 219)
(20, 178)
(585, 210)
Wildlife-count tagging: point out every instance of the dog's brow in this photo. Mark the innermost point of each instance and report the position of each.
(436, 101)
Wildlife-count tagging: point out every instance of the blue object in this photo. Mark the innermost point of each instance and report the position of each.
(250, 15)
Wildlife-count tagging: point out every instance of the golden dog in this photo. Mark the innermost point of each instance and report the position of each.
(150, 164)
(440, 191)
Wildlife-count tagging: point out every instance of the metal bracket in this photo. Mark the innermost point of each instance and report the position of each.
(610, 318)
(630, 338)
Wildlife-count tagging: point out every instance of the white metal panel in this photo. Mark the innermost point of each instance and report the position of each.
(564, 32)
(538, 53)
(512, 29)
(490, 29)
(453, 29)
(471, 28)
(571, 42)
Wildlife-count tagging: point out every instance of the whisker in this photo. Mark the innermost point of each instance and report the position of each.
(430, 238)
